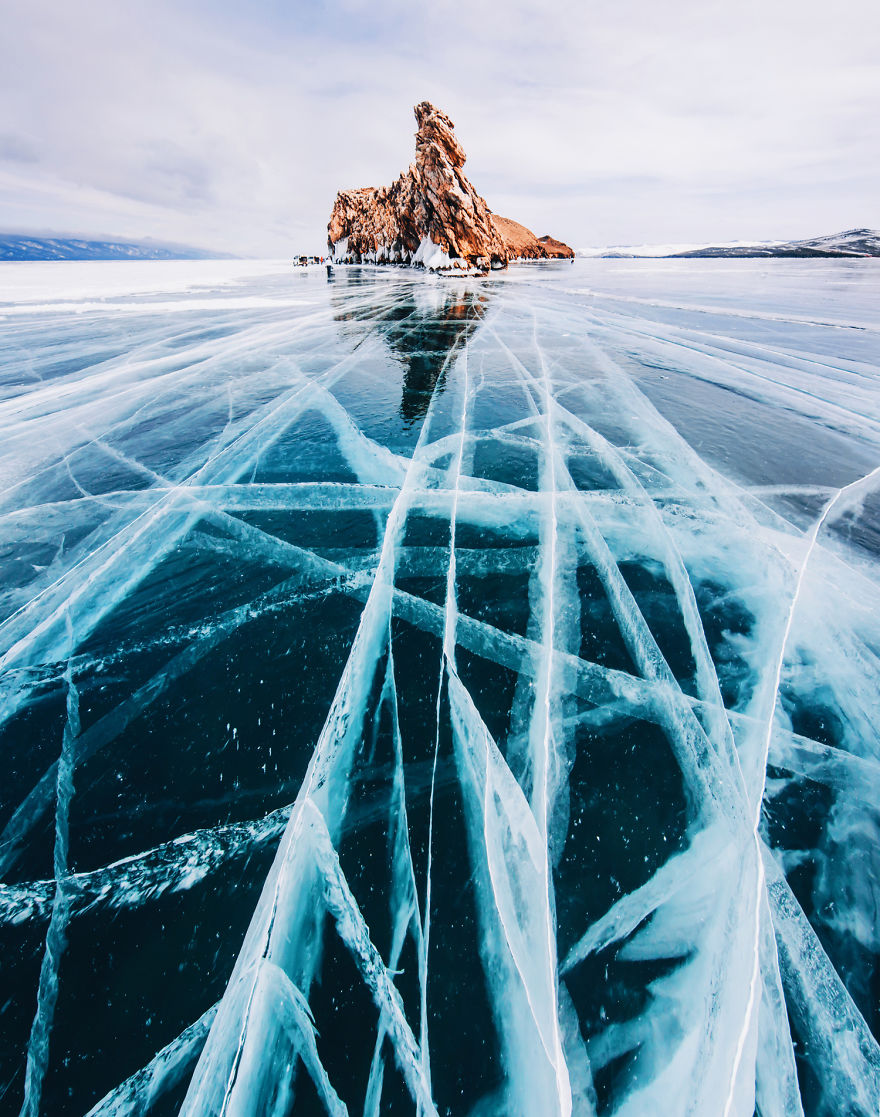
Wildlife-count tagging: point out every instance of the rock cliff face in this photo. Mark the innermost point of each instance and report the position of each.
(431, 215)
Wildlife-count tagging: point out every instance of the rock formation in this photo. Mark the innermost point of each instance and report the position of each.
(522, 244)
(431, 215)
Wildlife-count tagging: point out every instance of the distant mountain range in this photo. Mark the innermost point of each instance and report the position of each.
(854, 243)
(19, 246)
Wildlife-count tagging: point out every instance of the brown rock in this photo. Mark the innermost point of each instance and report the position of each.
(555, 249)
(431, 215)
(522, 244)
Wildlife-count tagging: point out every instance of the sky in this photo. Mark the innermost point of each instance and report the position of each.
(231, 125)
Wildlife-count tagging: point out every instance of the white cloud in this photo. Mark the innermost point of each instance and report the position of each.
(233, 126)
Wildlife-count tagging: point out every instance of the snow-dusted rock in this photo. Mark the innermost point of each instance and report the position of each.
(430, 216)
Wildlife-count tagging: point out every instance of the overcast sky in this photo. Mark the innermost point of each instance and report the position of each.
(231, 125)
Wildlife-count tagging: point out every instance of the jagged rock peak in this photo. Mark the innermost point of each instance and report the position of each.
(430, 216)
(435, 128)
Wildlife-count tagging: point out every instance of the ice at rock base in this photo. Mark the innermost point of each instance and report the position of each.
(440, 697)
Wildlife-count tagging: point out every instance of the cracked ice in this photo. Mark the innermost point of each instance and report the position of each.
(440, 697)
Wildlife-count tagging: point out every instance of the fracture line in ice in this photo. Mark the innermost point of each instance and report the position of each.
(403, 900)
(490, 502)
(154, 531)
(849, 493)
(283, 921)
(718, 968)
(142, 877)
(776, 1087)
(590, 680)
(709, 851)
(447, 656)
(824, 1013)
(764, 384)
(841, 369)
(504, 830)
(746, 1034)
(770, 695)
(168, 1067)
(182, 662)
(546, 767)
(365, 455)
(728, 311)
(720, 783)
(676, 572)
(148, 378)
(833, 767)
(56, 935)
(745, 1041)
(758, 794)
(541, 728)
(112, 724)
(551, 753)
(124, 557)
(299, 1024)
(759, 883)
(355, 934)
(695, 752)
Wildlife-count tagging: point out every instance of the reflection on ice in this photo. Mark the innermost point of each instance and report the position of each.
(442, 698)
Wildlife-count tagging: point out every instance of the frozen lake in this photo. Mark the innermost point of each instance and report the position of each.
(428, 696)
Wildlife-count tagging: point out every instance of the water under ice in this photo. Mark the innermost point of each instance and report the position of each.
(440, 697)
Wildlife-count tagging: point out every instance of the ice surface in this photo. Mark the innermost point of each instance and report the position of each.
(428, 695)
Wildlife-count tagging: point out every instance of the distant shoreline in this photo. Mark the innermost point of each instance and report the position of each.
(22, 248)
(851, 244)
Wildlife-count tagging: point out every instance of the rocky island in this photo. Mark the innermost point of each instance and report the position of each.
(431, 215)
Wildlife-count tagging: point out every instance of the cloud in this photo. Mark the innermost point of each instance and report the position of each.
(233, 125)
(17, 149)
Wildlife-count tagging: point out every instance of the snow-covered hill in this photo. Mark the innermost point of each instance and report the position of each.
(853, 242)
